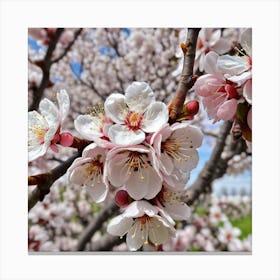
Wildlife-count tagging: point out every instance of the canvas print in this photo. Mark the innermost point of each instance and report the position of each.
(139, 140)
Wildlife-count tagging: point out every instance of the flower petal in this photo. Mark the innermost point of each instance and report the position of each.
(188, 135)
(178, 211)
(88, 126)
(63, 103)
(227, 110)
(239, 79)
(139, 96)
(155, 117)
(155, 184)
(50, 112)
(246, 41)
(117, 169)
(93, 151)
(36, 151)
(233, 65)
(137, 186)
(116, 108)
(222, 46)
(119, 225)
(98, 192)
(189, 162)
(134, 237)
(166, 163)
(140, 208)
(123, 136)
(210, 65)
(208, 85)
(158, 233)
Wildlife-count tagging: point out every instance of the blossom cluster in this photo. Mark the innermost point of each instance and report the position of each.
(134, 152)
(226, 88)
(211, 229)
(141, 157)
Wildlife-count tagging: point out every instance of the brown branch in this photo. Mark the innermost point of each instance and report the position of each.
(45, 65)
(67, 49)
(208, 173)
(96, 224)
(187, 78)
(45, 181)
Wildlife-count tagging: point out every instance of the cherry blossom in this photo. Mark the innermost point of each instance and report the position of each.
(88, 171)
(134, 113)
(135, 168)
(175, 147)
(228, 233)
(174, 203)
(220, 97)
(44, 127)
(208, 40)
(94, 126)
(142, 223)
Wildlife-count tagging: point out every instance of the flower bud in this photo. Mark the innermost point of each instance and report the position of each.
(66, 139)
(122, 198)
(192, 107)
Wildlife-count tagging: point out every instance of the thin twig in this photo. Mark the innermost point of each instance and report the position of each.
(67, 49)
(45, 181)
(187, 79)
(45, 65)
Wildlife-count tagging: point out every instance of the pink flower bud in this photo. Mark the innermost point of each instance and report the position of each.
(66, 139)
(122, 198)
(192, 107)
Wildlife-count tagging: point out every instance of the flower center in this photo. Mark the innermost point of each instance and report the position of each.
(40, 134)
(137, 162)
(174, 149)
(94, 170)
(133, 120)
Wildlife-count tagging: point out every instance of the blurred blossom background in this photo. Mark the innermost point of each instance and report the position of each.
(91, 64)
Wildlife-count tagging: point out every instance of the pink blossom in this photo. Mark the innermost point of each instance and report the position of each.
(174, 203)
(94, 126)
(134, 113)
(175, 147)
(219, 97)
(88, 171)
(44, 128)
(135, 168)
(142, 223)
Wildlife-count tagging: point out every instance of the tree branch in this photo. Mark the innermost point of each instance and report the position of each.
(96, 224)
(45, 181)
(208, 173)
(45, 65)
(67, 49)
(187, 79)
